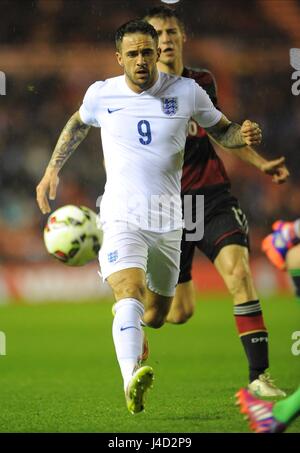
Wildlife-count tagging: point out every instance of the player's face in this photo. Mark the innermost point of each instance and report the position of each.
(171, 39)
(138, 56)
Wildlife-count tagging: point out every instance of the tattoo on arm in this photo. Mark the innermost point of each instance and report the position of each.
(72, 135)
(228, 135)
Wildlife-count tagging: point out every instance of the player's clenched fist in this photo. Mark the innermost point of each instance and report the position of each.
(251, 133)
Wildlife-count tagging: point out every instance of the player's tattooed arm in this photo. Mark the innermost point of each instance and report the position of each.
(275, 168)
(71, 136)
(232, 135)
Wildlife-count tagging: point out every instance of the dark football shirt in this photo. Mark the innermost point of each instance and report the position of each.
(203, 171)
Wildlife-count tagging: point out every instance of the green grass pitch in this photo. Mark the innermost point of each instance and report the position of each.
(60, 373)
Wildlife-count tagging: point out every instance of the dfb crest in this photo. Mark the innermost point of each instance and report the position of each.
(169, 106)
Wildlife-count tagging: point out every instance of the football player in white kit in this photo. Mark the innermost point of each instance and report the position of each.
(143, 116)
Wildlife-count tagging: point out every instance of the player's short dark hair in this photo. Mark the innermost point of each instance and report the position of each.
(163, 12)
(135, 26)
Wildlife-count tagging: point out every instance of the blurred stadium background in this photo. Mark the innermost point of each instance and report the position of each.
(50, 52)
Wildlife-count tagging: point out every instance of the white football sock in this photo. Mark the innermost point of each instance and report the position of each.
(128, 335)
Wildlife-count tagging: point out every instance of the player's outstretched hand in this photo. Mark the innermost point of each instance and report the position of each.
(251, 133)
(47, 185)
(277, 169)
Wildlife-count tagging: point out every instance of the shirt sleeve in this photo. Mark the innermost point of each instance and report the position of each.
(205, 113)
(90, 105)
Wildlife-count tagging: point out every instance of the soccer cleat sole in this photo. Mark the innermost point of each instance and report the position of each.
(141, 382)
(258, 418)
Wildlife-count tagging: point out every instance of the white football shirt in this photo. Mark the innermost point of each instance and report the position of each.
(143, 138)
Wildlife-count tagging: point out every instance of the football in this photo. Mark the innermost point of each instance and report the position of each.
(73, 235)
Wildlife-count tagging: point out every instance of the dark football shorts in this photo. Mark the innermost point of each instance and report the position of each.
(224, 224)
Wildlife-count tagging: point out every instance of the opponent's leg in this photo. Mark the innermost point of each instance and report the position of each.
(232, 263)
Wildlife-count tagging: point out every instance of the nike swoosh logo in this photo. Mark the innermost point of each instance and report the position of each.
(129, 327)
(114, 110)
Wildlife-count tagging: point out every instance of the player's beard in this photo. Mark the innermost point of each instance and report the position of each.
(146, 83)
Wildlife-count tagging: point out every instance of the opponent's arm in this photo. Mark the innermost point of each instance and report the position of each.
(71, 136)
(276, 168)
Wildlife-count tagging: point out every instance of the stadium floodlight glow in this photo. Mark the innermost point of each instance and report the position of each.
(2, 84)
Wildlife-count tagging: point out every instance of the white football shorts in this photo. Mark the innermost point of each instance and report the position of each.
(158, 254)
